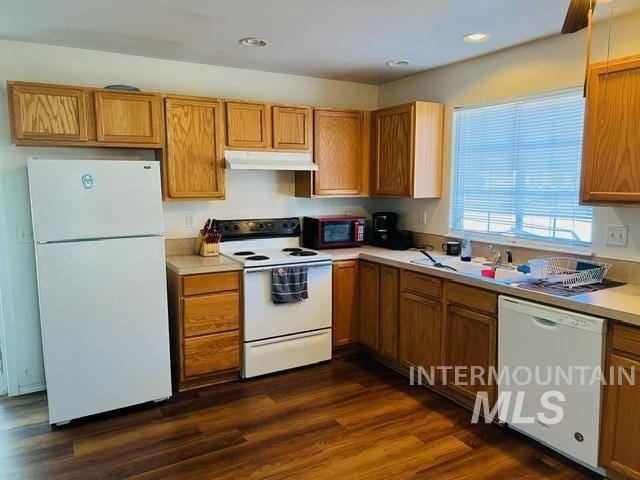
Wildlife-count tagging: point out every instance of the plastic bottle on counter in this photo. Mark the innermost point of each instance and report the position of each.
(465, 247)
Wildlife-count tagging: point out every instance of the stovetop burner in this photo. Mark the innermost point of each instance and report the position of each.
(292, 249)
(244, 253)
(258, 257)
(303, 253)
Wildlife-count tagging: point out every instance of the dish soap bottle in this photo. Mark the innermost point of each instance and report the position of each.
(465, 248)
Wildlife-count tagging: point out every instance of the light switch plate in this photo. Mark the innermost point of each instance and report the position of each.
(188, 220)
(617, 235)
(423, 217)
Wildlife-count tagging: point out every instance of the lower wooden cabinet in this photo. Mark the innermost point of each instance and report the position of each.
(469, 341)
(389, 303)
(620, 439)
(419, 330)
(369, 331)
(204, 315)
(345, 305)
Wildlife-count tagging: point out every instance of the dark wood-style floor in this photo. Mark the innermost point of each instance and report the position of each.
(348, 419)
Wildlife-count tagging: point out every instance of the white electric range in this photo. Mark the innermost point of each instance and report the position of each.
(279, 336)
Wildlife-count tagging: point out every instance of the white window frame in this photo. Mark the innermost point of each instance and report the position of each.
(510, 239)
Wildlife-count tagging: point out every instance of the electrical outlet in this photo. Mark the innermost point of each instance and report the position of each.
(617, 235)
(188, 220)
(24, 234)
(424, 215)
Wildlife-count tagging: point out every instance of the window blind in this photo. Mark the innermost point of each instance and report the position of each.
(516, 169)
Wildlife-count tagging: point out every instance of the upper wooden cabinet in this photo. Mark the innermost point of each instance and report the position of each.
(407, 156)
(248, 125)
(47, 113)
(260, 126)
(291, 128)
(611, 155)
(193, 164)
(341, 151)
(42, 114)
(131, 118)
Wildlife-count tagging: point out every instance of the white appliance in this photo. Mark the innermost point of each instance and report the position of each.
(245, 160)
(282, 336)
(99, 246)
(536, 336)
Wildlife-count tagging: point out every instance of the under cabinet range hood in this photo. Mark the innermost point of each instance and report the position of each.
(245, 160)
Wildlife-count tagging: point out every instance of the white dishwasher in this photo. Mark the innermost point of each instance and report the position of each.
(559, 345)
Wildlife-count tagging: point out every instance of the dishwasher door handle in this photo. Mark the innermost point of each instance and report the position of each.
(544, 323)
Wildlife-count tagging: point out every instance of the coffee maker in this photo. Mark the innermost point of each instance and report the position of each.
(384, 226)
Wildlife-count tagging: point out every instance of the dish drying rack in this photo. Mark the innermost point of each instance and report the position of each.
(575, 272)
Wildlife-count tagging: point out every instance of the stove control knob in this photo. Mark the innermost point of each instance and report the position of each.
(292, 225)
(225, 227)
(236, 227)
(261, 225)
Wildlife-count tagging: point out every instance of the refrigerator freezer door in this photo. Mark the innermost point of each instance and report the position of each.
(84, 199)
(104, 319)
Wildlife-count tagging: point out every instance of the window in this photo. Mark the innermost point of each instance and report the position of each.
(517, 170)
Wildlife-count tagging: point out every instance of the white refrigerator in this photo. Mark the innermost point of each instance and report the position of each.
(99, 245)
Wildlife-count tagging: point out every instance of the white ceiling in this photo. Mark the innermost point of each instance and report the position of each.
(339, 39)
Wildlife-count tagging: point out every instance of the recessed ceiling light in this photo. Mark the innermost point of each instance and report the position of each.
(253, 42)
(397, 63)
(476, 37)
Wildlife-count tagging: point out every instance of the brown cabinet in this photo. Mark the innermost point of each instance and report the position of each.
(345, 305)
(419, 330)
(193, 164)
(620, 441)
(408, 150)
(341, 151)
(291, 128)
(389, 304)
(60, 115)
(47, 114)
(128, 118)
(204, 314)
(369, 330)
(611, 152)
(469, 341)
(248, 125)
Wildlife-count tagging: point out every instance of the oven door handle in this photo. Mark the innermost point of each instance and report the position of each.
(268, 269)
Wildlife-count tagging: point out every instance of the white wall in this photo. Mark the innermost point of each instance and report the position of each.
(249, 194)
(544, 65)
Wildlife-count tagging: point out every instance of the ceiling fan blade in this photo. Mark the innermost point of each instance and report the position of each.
(578, 15)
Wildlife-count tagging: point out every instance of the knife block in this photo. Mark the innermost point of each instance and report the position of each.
(209, 249)
(205, 249)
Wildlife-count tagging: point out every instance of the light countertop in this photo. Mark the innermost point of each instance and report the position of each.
(194, 264)
(619, 303)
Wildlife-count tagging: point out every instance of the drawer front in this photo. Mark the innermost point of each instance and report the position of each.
(210, 283)
(421, 284)
(472, 297)
(211, 353)
(626, 339)
(215, 313)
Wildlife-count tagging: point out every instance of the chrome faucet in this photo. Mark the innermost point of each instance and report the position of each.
(496, 257)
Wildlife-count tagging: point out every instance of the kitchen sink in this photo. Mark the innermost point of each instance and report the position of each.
(471, 268)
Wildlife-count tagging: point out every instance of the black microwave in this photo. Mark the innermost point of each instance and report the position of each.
(332, 232)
